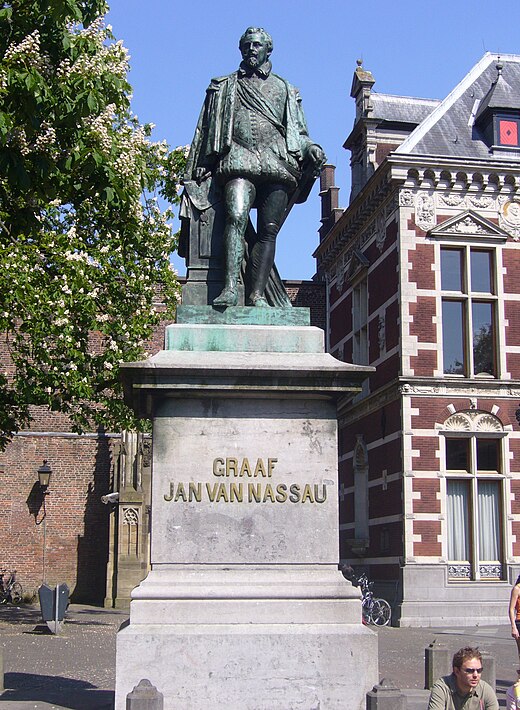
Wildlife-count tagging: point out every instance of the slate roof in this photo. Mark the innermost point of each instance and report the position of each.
(449, 129)
(401, 109)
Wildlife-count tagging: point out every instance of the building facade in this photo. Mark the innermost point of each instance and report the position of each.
(422, 274)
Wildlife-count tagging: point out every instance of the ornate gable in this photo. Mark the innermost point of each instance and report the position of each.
(468, 225)
(358, 266)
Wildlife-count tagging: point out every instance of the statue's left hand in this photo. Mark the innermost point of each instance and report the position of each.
(316, 155)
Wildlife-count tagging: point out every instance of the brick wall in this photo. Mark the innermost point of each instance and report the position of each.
(74, 520)
(309, 294)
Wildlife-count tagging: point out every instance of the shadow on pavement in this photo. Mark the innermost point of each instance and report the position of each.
(20, 614)
(55, 690)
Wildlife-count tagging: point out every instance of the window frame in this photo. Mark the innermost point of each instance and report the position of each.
(468, 298)
(472, 477)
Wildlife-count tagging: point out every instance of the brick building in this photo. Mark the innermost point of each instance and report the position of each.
(422, 272)
(99, 550)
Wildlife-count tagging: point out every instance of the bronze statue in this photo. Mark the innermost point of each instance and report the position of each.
(251, 149)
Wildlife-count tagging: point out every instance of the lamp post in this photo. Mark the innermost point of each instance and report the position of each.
(44, 478)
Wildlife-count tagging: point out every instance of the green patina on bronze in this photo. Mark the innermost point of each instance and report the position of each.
(238, 315)
(251, 150)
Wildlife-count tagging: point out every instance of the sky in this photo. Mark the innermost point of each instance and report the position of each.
(412, 47)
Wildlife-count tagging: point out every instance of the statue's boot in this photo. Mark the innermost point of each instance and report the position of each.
(263, 260)
(228, 295)
(257, 299)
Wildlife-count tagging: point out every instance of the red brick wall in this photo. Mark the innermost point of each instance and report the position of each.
(386, 371)
(309, 294)
(428, 502)
(382, 283)
(511, 260)
(76, 521)
(383, 149)
(512, 315)
(392, 325)
(386, 502)
(340, 322)
(421, 259)
(426, 460)
(429, 530)
(424, 363)
(423, 312)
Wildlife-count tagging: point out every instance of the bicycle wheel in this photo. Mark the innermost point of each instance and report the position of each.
(366, 608)
(16, 593)
(381, 612)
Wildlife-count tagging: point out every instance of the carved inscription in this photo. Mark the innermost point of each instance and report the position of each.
(246, 481)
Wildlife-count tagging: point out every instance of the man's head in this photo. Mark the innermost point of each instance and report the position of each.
(255, 46)
(467, 668)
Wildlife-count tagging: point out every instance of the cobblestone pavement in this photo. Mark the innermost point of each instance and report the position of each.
(75, 670)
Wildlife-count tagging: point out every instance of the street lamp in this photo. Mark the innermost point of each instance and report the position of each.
(44, 476)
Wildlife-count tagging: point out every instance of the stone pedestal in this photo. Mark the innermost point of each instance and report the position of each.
(244, 606)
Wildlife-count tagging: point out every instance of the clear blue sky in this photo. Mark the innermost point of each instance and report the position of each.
(412, 47)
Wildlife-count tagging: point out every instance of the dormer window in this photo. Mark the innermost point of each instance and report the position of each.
(497, 118)
(506, 131)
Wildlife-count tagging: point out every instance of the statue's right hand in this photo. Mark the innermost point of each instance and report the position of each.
(201, 174)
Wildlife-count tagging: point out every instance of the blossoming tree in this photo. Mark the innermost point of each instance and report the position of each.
(84, 245)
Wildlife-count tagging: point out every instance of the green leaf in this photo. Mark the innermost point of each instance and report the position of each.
(92, 102)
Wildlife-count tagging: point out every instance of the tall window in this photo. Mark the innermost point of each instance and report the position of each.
(468, 311)
(474, 507)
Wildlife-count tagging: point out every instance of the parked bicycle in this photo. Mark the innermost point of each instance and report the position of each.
(375, 610)
(10, 589)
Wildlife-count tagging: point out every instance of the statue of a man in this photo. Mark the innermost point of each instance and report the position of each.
(252, 141)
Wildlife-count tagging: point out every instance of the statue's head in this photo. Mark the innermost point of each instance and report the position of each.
(255, 46)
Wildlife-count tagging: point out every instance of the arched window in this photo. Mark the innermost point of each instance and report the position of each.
(473, 464)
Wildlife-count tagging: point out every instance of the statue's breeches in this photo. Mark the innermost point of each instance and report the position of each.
(255, 165)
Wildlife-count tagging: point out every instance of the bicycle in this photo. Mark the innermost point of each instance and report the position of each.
(10, 589)
(374, 610)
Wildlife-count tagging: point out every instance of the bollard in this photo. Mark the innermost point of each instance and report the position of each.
(489, 672)
(144, 696)
(1, 671)
(437, 663)
(385, 696)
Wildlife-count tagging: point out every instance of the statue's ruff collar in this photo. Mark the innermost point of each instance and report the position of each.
(262, 71)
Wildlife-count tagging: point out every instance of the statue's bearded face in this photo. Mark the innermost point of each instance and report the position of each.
(254, 50)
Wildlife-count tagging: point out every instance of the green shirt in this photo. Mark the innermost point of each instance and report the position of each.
(445, 695)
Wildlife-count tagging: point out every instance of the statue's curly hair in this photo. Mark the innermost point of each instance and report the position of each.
(258, 30)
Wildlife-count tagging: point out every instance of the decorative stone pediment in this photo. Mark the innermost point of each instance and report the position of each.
(473, 420)
(468, 225)
(358, 265)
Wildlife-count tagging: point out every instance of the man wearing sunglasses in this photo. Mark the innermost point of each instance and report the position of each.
(464, 689)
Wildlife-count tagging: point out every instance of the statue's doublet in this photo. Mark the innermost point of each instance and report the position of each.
(233, 139)
(258, 149)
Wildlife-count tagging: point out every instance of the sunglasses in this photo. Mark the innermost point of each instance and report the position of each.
(470, 671)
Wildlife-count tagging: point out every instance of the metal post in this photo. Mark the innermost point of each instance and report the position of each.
(44, 538)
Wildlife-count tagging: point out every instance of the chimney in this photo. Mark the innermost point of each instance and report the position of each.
(329, 194)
